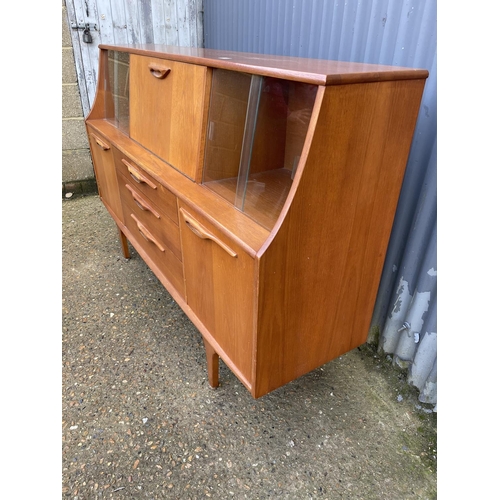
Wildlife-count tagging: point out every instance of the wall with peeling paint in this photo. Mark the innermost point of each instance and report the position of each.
(396, 32)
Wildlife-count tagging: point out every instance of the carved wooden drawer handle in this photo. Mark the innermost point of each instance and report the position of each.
(100, 142)
(137, 176)
(204, 234)
(141, 202)
(146, 234)
(157, 71)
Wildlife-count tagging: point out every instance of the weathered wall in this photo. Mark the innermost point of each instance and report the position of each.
(169, 22)
(76, 161)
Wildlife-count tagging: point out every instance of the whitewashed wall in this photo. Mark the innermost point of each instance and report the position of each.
(169, 22)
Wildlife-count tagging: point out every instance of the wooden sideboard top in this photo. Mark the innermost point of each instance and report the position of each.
(314, 71)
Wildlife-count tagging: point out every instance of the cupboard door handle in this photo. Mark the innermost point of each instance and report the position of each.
(204, 234)
(141, 202)
(137, 176)
(159, 72)
(100, 142)
(146, 234)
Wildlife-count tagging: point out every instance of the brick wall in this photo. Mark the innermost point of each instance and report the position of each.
(77, 169)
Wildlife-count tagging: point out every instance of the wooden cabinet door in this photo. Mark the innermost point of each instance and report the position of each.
(219, 288)
(167, 105)
(105, 173)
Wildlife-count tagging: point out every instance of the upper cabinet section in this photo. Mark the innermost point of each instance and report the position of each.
(256, 130)
(233, 122)
(167, 109)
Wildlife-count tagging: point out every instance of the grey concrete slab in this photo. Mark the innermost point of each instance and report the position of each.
(74, 136)
(68, 66)
(71, 102)
(76, 165)
(140, 420)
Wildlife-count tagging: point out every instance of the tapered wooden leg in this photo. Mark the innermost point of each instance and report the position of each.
(124, 243)
(212, 365)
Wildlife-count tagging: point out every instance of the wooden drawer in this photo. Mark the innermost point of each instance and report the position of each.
(148, 241)
(167, 107)
(164, 199)
(164, 229)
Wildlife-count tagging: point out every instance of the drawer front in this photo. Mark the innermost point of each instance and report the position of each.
(164, 199)
(167, 106)
(151, 216)
(152, 244)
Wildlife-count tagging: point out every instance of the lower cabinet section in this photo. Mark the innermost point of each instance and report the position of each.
(220, 289)
(213, 275)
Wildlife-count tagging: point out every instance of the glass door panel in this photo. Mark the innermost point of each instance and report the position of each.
(251, 157)
(226, 126)
(117, 90)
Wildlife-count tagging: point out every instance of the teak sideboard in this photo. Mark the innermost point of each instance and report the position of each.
(260, 190)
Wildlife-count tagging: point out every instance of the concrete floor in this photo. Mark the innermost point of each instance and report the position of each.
(140, 420)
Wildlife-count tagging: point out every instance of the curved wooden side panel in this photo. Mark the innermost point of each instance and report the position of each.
(98, 109)
(318, 276)
(300, 169)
